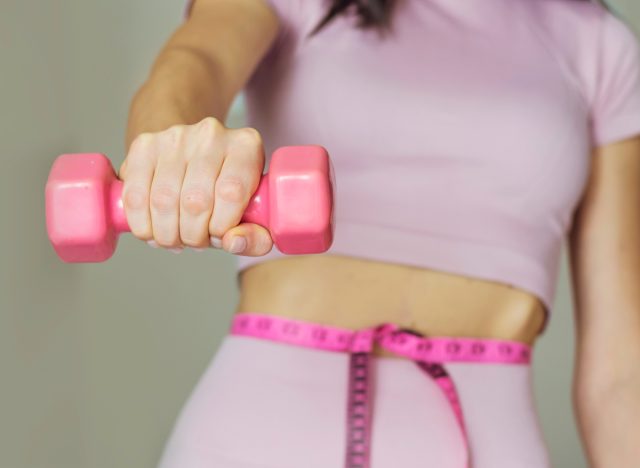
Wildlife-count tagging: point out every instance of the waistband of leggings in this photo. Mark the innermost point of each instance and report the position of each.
(391, 337)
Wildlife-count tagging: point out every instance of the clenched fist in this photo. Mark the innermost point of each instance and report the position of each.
(188, 186)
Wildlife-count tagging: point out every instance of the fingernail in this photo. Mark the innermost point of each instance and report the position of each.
(198, 249)
(152, 243)
(177, 250)
(216, 242)
(238, 244)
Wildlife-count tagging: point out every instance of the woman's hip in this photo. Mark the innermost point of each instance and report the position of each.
(261, 403)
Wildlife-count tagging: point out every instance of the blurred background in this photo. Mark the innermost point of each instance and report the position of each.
(97, 360)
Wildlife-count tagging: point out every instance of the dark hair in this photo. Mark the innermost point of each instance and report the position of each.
(371, 13)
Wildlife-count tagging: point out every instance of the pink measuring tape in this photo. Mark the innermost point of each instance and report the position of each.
(429, 353)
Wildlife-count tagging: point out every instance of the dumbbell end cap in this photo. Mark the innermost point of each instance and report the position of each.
(75, 206)
(301, 199)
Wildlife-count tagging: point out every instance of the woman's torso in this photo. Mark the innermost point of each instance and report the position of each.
(461, 146)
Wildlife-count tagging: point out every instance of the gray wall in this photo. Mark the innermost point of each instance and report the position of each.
(97, 360)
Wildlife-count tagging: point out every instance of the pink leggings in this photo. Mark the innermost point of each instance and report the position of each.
(268, 404)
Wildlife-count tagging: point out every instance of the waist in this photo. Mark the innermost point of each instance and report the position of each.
(354, 294)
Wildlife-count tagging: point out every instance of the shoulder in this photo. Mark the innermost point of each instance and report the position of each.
(591, 39)
(583, 13)
(588, 22)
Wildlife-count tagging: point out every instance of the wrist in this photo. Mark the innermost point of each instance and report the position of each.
(181, 89)
(153, 110)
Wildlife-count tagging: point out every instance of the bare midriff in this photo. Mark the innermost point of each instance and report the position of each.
(353, 293)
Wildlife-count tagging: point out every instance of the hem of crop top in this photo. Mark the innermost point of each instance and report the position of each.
(424, 250)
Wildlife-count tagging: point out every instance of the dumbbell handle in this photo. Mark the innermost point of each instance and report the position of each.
(256, 211)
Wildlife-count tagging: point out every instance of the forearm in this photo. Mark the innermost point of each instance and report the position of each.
(608, 410)
(183, 88)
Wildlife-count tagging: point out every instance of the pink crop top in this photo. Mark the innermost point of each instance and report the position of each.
(461, 142)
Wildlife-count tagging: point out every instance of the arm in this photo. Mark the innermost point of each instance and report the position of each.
(605, 265)
(181, 160)
(204, 64)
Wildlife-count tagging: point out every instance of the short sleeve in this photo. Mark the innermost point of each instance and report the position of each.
(616, 106)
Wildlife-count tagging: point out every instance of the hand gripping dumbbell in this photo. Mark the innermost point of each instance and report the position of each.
(294, 201)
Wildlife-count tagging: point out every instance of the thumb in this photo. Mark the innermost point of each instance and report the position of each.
(248, 239)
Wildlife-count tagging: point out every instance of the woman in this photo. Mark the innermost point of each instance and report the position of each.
(468, 139)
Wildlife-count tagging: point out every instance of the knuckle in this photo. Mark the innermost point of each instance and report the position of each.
(212, 126)
(231, 189)
(249, 136)
(166, 236)
(191, 240)
(165, 241)
(212, 129)
(141, 232)
(217, 230)
(136, 198)
(141, 142)
(164, 198)
(176, 133)
(196, 200)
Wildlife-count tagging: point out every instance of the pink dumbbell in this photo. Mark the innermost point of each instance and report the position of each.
(294, 201)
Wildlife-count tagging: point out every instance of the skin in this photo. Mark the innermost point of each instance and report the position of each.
(187, 180)
(605, 267)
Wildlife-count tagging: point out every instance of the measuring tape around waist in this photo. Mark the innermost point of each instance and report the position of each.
(429, 353)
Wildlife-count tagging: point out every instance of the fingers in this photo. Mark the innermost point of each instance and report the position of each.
(248, 239)
(139, 169)
(197, 195)
(196, 202)
(238, 179)
(166, 187)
